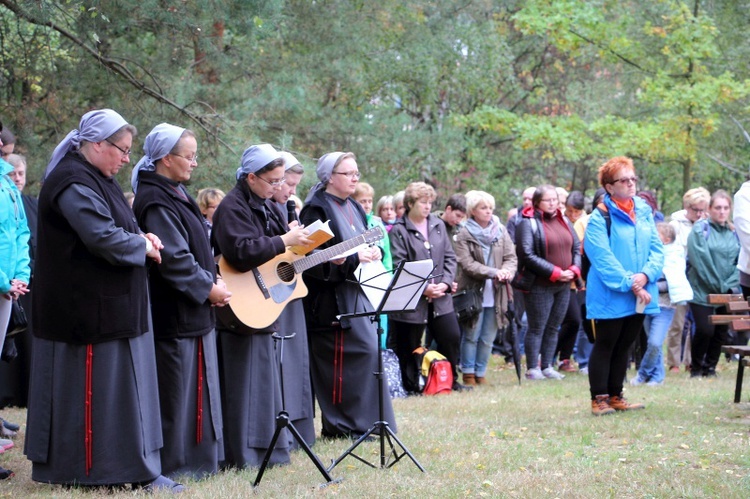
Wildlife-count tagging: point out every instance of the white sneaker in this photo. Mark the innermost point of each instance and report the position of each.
(637, 380)
(654, 383)
(534, 374)
(584, 370)
(552, 374)
(6, 444)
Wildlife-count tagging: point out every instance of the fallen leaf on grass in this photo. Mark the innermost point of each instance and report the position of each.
(684, 446)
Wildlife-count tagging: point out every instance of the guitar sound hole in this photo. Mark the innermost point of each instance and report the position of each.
(285, 271)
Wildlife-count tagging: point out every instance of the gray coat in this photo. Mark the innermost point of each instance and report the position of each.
(473, 272)
(408, 244)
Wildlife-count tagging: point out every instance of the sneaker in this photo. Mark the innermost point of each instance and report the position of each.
(6, 433)
(6, 444)
(674, 369)
(618, 403)
(552, 374)
(584, 370)
(654, 383)
(9, 425)
(534, 374)
(637, 380)
(566, 366)
(600, 406)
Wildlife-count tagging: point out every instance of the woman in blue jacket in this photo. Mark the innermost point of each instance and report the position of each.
(626, 260)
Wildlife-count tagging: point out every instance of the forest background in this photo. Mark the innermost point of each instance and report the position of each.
(464, 94)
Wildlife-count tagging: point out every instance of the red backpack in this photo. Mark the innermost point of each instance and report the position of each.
(435, 373)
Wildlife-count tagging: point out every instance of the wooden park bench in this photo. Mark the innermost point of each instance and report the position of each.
(739, 321)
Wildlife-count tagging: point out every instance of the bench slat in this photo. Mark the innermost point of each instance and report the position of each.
(724, 319)
(738, 306)
(741, 350)
(721, 299)
(741, 324)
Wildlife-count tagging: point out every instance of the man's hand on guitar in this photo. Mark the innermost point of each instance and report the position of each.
(297, 236)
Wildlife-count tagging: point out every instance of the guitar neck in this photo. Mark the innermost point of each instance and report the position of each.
(323, 256)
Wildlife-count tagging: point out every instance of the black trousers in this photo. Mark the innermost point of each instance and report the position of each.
(566, 340)
(708, 339)
(609, 357)
(407, 337)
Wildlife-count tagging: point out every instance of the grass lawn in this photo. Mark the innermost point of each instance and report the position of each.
(535, 440)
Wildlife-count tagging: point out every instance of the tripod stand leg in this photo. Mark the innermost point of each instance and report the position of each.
(282, 421)
(386, 435)
(267, 458)
(311, 454)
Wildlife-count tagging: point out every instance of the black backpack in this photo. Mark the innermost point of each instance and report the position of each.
(585, 262)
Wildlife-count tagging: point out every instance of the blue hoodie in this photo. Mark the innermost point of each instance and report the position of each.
(631, 248)
(14, 232)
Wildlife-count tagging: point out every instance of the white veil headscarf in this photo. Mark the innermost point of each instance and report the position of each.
(95, 126)
(159, 142)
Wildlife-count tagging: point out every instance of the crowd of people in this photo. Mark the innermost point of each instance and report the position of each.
(149, 339)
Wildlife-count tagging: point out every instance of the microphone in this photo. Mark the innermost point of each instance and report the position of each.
(291, 211)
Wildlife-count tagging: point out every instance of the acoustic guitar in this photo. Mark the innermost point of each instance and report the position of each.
(260, 295)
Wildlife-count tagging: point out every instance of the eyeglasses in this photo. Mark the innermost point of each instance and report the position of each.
(192, 160)
(354, 174)
(274, 183)
(626, 180)
(125, 152)
(696, 210)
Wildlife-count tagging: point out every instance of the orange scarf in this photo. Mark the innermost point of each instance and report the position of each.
(628, 206)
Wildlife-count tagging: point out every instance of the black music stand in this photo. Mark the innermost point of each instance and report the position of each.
(400, 295)
(283, 421)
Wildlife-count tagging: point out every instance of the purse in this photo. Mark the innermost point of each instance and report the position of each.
(467, 304)
(18, 322)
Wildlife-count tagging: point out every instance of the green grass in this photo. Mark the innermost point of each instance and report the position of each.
(537, 440)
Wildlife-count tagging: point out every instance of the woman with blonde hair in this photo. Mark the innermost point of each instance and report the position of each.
(486, 261)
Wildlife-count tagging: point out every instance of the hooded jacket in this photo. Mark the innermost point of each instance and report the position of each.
(712, 252)
(14, 232)
(631, 248)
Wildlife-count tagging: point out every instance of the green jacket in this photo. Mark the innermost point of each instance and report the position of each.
(384, 244)
(712, 255)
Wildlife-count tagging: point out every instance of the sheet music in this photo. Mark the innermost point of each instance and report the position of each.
(409, 287)
(374, 280)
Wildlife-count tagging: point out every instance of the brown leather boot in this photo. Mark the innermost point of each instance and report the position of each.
(469, 379)
(481, 380)
(618, 403)
(600, 406)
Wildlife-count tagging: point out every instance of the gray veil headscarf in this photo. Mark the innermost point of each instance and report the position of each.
(324, 170)
(255, 158)
(95, 126)
(159, 142)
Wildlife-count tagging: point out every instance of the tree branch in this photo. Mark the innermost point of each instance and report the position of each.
(117, 68)
(726, 165)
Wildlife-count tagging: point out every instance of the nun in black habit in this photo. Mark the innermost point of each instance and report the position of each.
(184, 290)
(343, 354)
(248, 232)
(93, 416)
